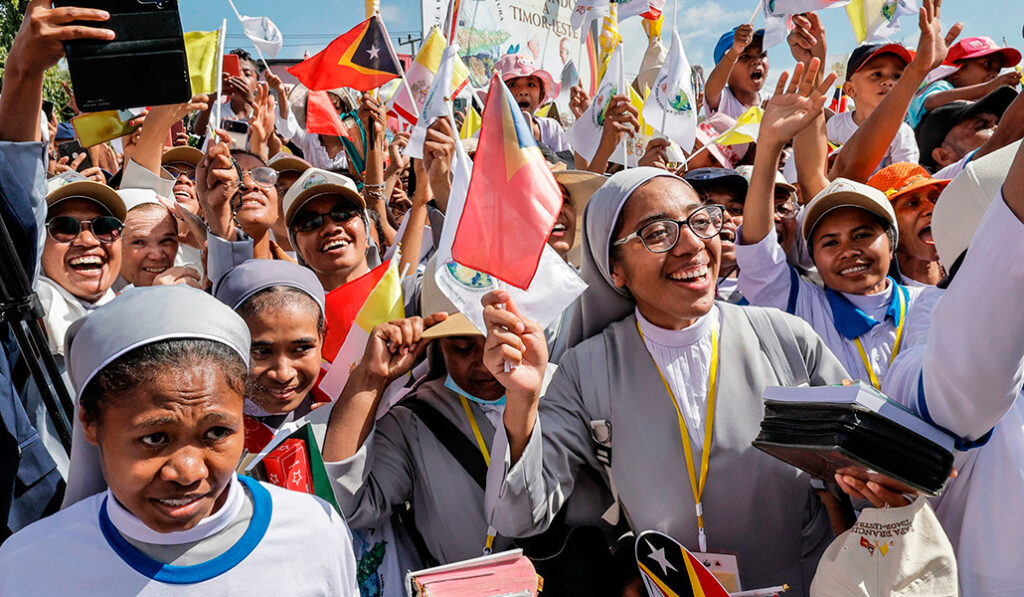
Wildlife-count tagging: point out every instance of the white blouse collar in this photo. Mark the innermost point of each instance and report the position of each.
(677, 338)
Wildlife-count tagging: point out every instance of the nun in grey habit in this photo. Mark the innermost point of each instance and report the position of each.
(613, 386)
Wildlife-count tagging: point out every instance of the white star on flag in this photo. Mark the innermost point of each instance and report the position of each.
(658, 555)
(373, 51)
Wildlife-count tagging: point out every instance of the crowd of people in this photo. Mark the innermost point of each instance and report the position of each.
(193, 290)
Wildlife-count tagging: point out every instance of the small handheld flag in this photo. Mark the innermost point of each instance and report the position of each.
(512, 205)
(362, 59)
(669, 570)
(321, 118)
(203, 51)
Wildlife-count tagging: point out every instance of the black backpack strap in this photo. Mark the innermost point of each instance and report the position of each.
(452, 438)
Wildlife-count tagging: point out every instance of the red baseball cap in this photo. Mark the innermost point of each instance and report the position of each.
(864, 53)
(977, 47)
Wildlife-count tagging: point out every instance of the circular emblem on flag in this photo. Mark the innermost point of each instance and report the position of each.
(469, 278)
(604, 99)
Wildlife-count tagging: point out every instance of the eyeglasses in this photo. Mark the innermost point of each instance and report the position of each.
(661, 236)
(263, 176)
(175, 171)
(786, 209)
(65, 229)
(311, 220)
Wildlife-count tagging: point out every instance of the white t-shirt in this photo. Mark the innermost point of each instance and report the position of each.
(295, 544)
(730, 106)
(552, 134)
(969, 351)
(902, 149)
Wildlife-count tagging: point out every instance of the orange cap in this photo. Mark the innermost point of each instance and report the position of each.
(902, 178)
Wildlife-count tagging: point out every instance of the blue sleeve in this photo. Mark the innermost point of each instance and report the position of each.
(23, 199)
(916, 112)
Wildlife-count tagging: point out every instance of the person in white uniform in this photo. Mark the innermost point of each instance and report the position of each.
(955, 334)
(851, 233)
(162, 399)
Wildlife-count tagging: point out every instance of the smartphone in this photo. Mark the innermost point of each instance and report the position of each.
(238, 130)
(71, 150)
(144, 65)
(232, 66)
(94, 128)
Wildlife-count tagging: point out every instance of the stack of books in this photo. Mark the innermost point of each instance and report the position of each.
(854, 430)
(506, 574)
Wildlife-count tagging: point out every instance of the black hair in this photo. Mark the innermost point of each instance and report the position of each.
(374, 217)
(276, 297)
(952, 270)
(247, 57)
(144, 363)
(237, 152)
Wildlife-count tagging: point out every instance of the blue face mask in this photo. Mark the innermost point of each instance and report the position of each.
(451, 385)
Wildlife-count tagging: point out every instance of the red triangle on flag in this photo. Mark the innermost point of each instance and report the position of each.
(321, 119)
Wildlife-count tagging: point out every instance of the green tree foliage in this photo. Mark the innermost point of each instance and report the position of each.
(56, 80)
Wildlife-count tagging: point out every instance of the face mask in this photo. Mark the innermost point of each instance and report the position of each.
(451, 385)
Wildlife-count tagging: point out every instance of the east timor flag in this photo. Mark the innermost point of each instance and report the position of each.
(362, 59)
(668, 570)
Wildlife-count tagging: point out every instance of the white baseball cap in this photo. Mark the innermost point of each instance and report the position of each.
(843, 192)
(314, 182)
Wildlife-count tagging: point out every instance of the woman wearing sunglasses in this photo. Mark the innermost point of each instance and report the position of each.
(82, 254)
(237, 194)
(666, 380)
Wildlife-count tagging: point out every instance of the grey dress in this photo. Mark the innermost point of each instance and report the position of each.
(755, 506)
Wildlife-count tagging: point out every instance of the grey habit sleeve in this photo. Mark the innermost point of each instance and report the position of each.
(523, 499)
(375, 477)
(137, 176)
(223, 255)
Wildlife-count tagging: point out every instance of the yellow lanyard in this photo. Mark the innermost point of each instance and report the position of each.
(895, 347)
(482, 445)
(705, 457)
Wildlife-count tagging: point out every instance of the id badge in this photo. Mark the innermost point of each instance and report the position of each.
(724, 567)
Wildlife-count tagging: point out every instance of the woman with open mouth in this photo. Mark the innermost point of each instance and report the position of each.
(851, 234)
(655, 360)
(913, 193)
(162, 401)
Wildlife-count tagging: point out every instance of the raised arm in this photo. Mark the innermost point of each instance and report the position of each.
(810, 146)
(789, 112)
(971, 92)
(866, 148)
(719, 77)
(156, 128)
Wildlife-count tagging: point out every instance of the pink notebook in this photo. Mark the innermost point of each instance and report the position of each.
(507, 574)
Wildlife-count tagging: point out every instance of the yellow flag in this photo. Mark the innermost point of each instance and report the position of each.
(430, 54)
(471, 124)
(638, 103)
(746, 129)
(609, 35)
(858, 19)
(203, 51)
(653, 28)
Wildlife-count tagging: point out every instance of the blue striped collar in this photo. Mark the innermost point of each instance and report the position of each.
(181, 575)
(853, 323)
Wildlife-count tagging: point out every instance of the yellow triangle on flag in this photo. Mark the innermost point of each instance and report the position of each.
(543, 110)
(203, 51)
(384, 302)
(470, 124)
(745, 130)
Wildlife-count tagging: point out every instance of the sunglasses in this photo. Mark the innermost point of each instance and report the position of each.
(65, 229)
(310, 220)
(175, 171)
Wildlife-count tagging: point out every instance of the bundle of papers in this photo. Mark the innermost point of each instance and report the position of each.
(506, 574)
(854, 430)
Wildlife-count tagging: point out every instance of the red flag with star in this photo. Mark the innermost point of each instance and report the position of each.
(512, 204)
(362, 59)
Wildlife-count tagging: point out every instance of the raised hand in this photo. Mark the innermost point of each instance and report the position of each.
(794, 108)
(261, 126)
(656, 154)
(394, 347)
(39, 43)
(579, 101)
(744, 35)
(620, 119)
(438, 149)
(517, 341)
(807, 40)
(216, 182)
(932, 46)
(373, 113)
(397, 161)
